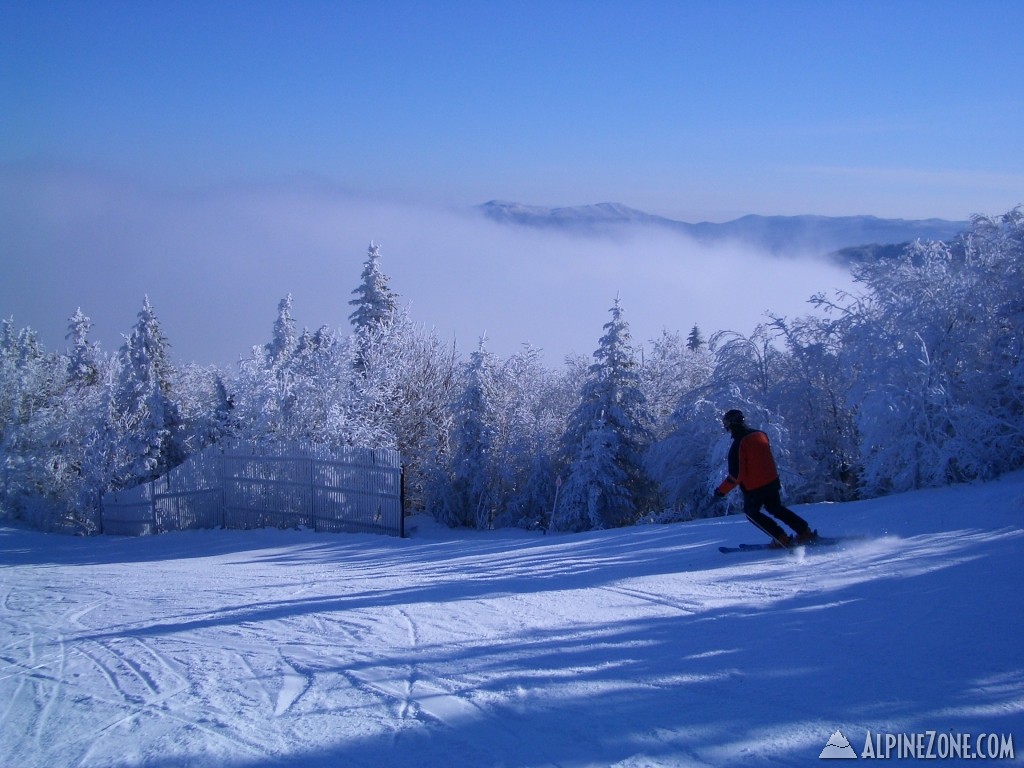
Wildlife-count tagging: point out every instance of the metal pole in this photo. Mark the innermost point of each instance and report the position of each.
(401, 501)
(554, 505)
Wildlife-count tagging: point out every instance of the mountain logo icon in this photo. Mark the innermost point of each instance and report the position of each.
(838, 748)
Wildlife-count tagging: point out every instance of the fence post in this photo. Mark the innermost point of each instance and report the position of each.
(312, 494)
(401, 501)
(152, 505)
(221, 475)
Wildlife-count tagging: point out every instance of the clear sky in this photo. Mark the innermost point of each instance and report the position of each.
(218, 154)
(690, 109)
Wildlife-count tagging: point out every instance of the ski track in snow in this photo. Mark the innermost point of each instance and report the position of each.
(640, 647)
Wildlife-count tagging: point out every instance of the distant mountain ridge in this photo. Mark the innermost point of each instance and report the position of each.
(777, 234)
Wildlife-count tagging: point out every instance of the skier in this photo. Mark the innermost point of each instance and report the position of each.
(752, 468)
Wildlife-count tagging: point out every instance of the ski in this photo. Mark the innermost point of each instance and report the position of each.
(822, 541)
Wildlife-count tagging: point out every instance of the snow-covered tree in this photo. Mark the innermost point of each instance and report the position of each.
(47, 411)
(517, 409)
(672, 369)
(691, 460)
(265, 391)
(695, 340)
(532, 405)
(14, 354)
(148, 428)
(470, 496)
(30, 381)
(306, 396)
(207, 401)
(318, 409)
(404, 389)
(83, 363)
(934, 343)
(597, 493)
(375, 303)
(606, 435)
(283, 340)
(812, 395)
(753, 363)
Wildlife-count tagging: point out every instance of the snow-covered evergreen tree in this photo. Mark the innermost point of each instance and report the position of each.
(283, 340)
(267, 384)
(75, 415)
(695, 340)
(11, 384)
(375, 302)
(29, 382)
(320, 406)
(517, 408)
(83, 363)
(207, 401)
(149, 426)
(530, 503)
(306, 395)
(597, 493)
(46, 415)
(605, 439)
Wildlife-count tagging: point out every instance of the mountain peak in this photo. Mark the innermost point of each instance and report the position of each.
(778, 234)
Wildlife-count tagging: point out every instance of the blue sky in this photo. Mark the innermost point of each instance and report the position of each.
(217, 155)
(690, 109)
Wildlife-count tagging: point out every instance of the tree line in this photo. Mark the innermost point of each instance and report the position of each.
(915, 378)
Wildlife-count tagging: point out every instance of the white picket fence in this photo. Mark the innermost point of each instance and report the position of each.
(351, 490)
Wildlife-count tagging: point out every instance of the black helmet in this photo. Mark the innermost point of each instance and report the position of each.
(733, 418)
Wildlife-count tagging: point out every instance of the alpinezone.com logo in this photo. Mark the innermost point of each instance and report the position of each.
(927, 745)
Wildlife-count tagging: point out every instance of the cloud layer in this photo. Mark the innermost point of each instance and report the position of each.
(215, 263)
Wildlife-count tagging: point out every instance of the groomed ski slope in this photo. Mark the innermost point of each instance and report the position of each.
(635, 647)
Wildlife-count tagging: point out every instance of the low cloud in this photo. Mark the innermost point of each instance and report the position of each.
(216, 262)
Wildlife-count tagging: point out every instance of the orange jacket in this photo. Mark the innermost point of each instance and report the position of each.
(751, 464)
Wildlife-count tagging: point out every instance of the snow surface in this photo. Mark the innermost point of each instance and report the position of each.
(633, 647)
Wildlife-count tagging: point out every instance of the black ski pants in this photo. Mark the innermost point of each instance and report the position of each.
(767, 496)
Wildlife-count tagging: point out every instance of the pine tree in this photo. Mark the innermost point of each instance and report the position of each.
(150, 427)
(283, 341)
(375, 303)
(28, 381)
(605, 439)
(597, 493)
(695, 341)
(83, 364)
(220, 422)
